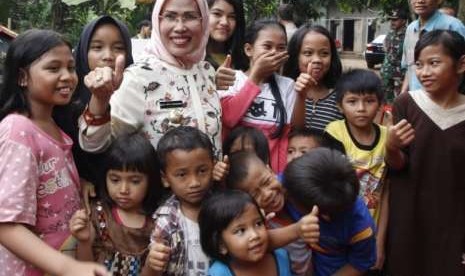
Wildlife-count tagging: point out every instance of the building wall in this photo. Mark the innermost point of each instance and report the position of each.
(353, 30)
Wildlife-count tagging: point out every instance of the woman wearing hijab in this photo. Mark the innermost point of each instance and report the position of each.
(171, 86)
(101, 41)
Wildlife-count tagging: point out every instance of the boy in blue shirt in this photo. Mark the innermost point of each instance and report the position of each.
(325, 178)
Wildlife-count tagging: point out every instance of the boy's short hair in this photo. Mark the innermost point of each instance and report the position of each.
(239, 163)
(182, 138)
(315, 134)
(144, 23)
(322, 177)
(359, 81)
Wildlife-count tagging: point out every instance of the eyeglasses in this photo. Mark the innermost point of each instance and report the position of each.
(187, 18)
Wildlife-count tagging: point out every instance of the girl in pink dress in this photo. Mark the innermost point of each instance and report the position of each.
(39, 184)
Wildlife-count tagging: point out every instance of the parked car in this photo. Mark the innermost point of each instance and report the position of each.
(6, 36)
(374, 54)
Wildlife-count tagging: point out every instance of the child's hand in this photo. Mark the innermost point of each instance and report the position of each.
(80, 226)
(309, 227)
(225, 75)
(85, 269)
(266, 64)
(400, 135)
(380, 256)
(305, 81)
(159, 253)
(103, 81)
(88, 191)
(221, 169)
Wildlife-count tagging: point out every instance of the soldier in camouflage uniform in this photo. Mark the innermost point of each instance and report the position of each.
(391, 70)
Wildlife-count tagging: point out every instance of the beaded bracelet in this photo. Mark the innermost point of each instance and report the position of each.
(96, 120)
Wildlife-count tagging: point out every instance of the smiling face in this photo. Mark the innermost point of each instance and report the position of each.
(127, 189)
(245, 240)
(222, 21)
(437, 71)
(262, 185)
(51, 79)
(316, 51)
(188, 174)
(424, 8)
(180, 27)
(106, 44)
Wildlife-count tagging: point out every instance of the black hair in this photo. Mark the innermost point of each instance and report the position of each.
(144, 23)
(254, 135)
(134, 152)
(291, 67)
(286, 12)
(250, 37)
(322, 177)
(235, 43)
(22, 52)
(452, 43)
(316, 134)
(239, 165)
(216, 214)
(182, 138)
(66, 116)
(359, 81)
(82, 95)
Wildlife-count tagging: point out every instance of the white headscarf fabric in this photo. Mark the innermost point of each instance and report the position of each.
(157, 48)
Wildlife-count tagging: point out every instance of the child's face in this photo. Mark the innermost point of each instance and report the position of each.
(359, 109)
(222, 21)
(299, 145)
(262, 185)
(127, 189)
(180, 27)
(106, 44)
(424, 8)
(316, 51)
(188, 174)
(246, 238)
(51, 79)
(437, 71)
(269, 39)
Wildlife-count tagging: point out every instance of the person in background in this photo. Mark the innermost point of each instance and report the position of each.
(392, 72)
(227, 27)
(429, 18)
(286, 18)
(448, 10)
(144, 29)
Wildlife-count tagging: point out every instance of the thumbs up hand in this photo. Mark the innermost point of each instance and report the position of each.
(309, 227)
(221, 169)
(225, 75)
(305, 81)
(159, 253)
(400, 135)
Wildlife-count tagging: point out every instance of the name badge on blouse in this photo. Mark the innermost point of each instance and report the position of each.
(171, 104)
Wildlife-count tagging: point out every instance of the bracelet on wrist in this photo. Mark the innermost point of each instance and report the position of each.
(96, 120)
